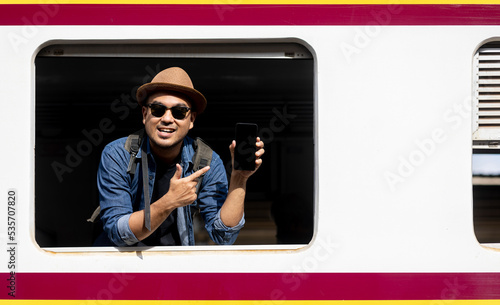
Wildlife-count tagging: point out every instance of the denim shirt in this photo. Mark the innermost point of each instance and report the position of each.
(121, 194)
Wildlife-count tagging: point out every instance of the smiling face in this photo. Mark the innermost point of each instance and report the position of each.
(166, 133)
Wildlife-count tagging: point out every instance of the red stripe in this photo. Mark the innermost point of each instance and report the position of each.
(255, 286)
(104, 14)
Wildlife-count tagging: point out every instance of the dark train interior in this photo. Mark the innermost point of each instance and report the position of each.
(85, 98)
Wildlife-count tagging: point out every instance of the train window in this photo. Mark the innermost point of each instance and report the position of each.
(486, 144)
(85, 98)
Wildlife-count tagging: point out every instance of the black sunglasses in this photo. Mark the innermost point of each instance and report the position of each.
(178, 112)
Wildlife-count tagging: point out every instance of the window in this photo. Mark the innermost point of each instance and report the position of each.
(486, 144)
(85, 98)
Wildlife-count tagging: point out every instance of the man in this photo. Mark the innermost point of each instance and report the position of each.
(170, 105)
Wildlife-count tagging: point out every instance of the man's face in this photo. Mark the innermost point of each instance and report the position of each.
(166, 132)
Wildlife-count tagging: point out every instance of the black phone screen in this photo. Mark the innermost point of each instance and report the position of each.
(244, 152)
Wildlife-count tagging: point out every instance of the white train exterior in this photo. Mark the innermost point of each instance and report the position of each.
(394, 114)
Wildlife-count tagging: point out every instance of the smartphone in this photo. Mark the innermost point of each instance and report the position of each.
(244, 152)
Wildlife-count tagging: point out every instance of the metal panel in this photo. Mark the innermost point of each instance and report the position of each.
(180, 50)
(486, 98)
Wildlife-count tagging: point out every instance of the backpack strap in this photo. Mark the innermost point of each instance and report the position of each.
(132, 145)
(202, 157)
(94, 216)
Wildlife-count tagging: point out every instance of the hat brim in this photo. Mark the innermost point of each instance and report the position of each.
(198, 101)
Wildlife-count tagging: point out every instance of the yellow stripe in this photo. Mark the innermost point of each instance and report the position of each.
(263, 302)
(236, 2)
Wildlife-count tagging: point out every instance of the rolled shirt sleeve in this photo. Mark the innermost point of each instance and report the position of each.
(220, 226)
(115, 196)
(125, 232)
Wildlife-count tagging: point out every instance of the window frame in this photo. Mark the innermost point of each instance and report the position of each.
(264, 49)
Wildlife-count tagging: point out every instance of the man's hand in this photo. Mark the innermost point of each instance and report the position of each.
(258, 161)
(182, 191)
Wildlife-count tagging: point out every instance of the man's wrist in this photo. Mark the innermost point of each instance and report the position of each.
(238, 178)
(165, 206)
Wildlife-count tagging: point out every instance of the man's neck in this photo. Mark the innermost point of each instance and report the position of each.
(167, 155)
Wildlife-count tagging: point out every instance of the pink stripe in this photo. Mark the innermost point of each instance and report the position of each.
(255, 286)
(104, 14)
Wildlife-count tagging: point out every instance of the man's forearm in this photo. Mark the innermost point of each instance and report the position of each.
(136, 221)
(233, 209)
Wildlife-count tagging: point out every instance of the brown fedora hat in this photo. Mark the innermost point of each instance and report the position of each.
(173, 79)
